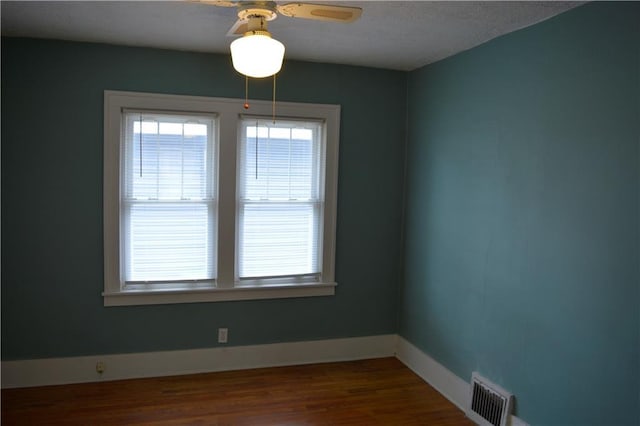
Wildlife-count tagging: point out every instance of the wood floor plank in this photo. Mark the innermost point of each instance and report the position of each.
(368, 392)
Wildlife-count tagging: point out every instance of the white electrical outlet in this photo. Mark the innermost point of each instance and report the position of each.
(223, 334)
(100, 367)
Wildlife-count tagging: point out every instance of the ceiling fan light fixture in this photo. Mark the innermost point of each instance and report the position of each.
(257, 54)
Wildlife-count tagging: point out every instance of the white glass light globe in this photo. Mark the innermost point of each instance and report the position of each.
(257, 55)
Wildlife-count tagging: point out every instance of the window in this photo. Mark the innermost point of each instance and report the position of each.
(203, 202)
(280, 200)
(167, 200)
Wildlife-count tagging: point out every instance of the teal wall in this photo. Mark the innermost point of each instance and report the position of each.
(523, 225)
(52, 114)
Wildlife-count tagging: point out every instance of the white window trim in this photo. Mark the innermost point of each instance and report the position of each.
(228, 112)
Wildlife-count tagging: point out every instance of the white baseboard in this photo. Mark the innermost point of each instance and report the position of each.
(57, 371)
(444, 381)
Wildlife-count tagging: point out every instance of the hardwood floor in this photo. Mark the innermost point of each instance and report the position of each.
(369, 392)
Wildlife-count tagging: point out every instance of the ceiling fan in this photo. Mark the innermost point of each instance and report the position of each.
(270, 10)
(256, 54)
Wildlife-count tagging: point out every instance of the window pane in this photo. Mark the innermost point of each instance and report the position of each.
(280, 163)
(279, 239)
(171, 159)
(169, 242)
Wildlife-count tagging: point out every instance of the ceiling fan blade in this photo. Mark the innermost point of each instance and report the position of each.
(239, 28)
(320, 12)
(223, 3)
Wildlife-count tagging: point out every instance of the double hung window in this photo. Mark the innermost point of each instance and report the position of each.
(280, 201)
(203, 202)
(168, 211)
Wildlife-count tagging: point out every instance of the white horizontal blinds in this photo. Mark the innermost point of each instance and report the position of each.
(168, 201)
(280, 198)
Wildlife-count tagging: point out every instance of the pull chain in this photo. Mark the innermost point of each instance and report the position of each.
(273, 105)
(256, 150)
(246, 92)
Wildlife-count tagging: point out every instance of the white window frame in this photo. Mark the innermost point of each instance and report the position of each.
(228, 112)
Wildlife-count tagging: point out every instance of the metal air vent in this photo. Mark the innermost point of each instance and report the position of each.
(489, 404)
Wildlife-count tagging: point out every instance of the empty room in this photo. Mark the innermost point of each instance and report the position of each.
(365, 213)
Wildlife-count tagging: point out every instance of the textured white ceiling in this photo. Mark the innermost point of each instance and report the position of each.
(400, 35)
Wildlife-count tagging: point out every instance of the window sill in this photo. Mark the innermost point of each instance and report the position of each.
(161, 297)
